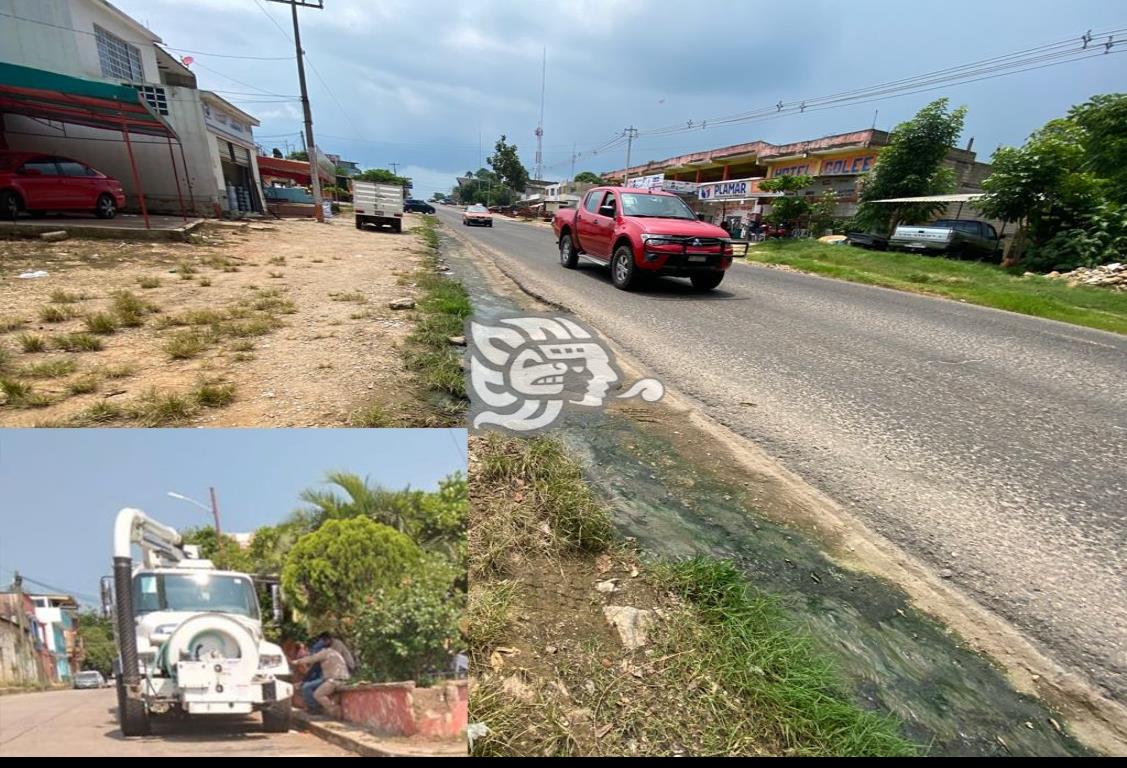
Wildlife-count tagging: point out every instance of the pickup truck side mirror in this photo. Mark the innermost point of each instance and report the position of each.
(606, 210)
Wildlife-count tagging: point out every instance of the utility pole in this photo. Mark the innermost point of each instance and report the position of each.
(630, 132)
(394, 168)
(573, 161)
(215, 514)
(311, 145)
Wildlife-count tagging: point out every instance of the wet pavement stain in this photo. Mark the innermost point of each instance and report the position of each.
(951, 700)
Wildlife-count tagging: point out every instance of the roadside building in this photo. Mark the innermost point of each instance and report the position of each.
(234, 154)
(94, 42)
(24, 657)
(59, 616)
(729, 178)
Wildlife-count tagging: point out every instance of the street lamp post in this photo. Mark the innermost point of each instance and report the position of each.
(213, 509)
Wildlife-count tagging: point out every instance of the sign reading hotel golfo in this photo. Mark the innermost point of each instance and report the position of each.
(728, 190)
(846, 166)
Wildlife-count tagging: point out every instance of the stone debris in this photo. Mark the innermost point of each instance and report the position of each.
(1106, 275)
(606, 587)
(402, 304)
(632, 624)
(54, 237)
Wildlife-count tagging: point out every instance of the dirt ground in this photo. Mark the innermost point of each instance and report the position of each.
(292, 317)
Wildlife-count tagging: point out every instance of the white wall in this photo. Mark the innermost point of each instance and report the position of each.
(74, 53)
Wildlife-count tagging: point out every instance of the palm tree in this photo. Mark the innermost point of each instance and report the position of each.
(392, 508)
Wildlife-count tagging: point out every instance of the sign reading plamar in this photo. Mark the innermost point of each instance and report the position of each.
(728, 190)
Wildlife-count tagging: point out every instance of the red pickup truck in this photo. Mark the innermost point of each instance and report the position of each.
(637, 233)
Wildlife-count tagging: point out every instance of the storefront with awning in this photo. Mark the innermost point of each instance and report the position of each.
(52, 98)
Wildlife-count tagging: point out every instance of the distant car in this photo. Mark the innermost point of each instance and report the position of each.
(91, 678)
(870, 240)
(37, 183)
(477, 216)
(418, 206)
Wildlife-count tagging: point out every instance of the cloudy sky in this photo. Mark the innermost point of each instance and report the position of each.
(417, 82)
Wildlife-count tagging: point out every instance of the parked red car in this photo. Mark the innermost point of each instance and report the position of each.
(638, 232)
(38, 183)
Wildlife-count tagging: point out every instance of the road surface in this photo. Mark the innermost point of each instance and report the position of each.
(991, 445)
(84, 724)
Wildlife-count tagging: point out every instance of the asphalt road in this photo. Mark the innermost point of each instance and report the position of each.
(83, 723)
(989, 444)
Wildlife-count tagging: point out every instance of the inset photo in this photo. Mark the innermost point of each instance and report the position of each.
(270, 592)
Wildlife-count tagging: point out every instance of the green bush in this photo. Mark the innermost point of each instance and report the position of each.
(410, 631)
(329, 572)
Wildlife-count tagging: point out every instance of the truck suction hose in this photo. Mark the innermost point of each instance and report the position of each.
(130, 527)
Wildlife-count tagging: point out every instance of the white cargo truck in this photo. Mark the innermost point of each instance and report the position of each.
(378, 204)
(189, 635)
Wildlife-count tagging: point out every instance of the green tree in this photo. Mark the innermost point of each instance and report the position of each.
(823, 213)
(435, 521)
(382, 176)
(96, 633)
(1063, 188)
(298, 154)
(588, 177)
(912, 166)
(225, 552)
(329, 572)
(507, 165)
(792, 207)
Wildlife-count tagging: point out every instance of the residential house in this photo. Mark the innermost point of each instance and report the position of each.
(24, 657)
(59, 616)
(95, 41)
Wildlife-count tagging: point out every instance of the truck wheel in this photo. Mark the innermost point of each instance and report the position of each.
(397, 226)
(276, 717)
(359, 224)
(623, 273)
(569, 257)
(706, 281)
(131, 713)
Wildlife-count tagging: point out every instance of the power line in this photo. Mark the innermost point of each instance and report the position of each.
(56, 590)
(229, 56)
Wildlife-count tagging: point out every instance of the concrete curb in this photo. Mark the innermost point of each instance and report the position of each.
(361, 742)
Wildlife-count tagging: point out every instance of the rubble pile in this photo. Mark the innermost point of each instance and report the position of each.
(1108, 275)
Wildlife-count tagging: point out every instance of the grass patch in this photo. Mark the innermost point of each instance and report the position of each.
(48, 369)
(725, 671)
(443, 308)
(185, 345)
(371, 416)
(354, 296)
(242, 345)
(275, 275)
(52, 313)
(101, 323)
(117, 371)
(185, 270)
(976, 283)
(148, 282)
(204, 283)
(130, 309)
(19, 394)
(213, 395)
(548, 493)
(77, 342)
(9, 324)
(32, 342)
(277, 261)
(84, 385)
(60, 296)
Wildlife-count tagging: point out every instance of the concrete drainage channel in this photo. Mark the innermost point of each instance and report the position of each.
(895, 659)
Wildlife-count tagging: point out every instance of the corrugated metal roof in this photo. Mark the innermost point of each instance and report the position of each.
(965, 198)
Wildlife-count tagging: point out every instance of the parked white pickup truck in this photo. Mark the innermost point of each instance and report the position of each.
(378, 204)
(965, 238)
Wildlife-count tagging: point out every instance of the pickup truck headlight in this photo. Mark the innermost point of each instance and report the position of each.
(269, 661)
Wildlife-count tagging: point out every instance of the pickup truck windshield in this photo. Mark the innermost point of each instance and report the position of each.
(194, 593)
(655, 206)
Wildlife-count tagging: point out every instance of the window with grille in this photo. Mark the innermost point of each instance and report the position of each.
(156, 97)
(118, 58)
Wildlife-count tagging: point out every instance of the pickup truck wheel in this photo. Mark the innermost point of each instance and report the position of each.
(131, 713)
(277, 716)
(706, 281)
(359, 224)
(10, 204)
(622, 271)
(569, 257)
